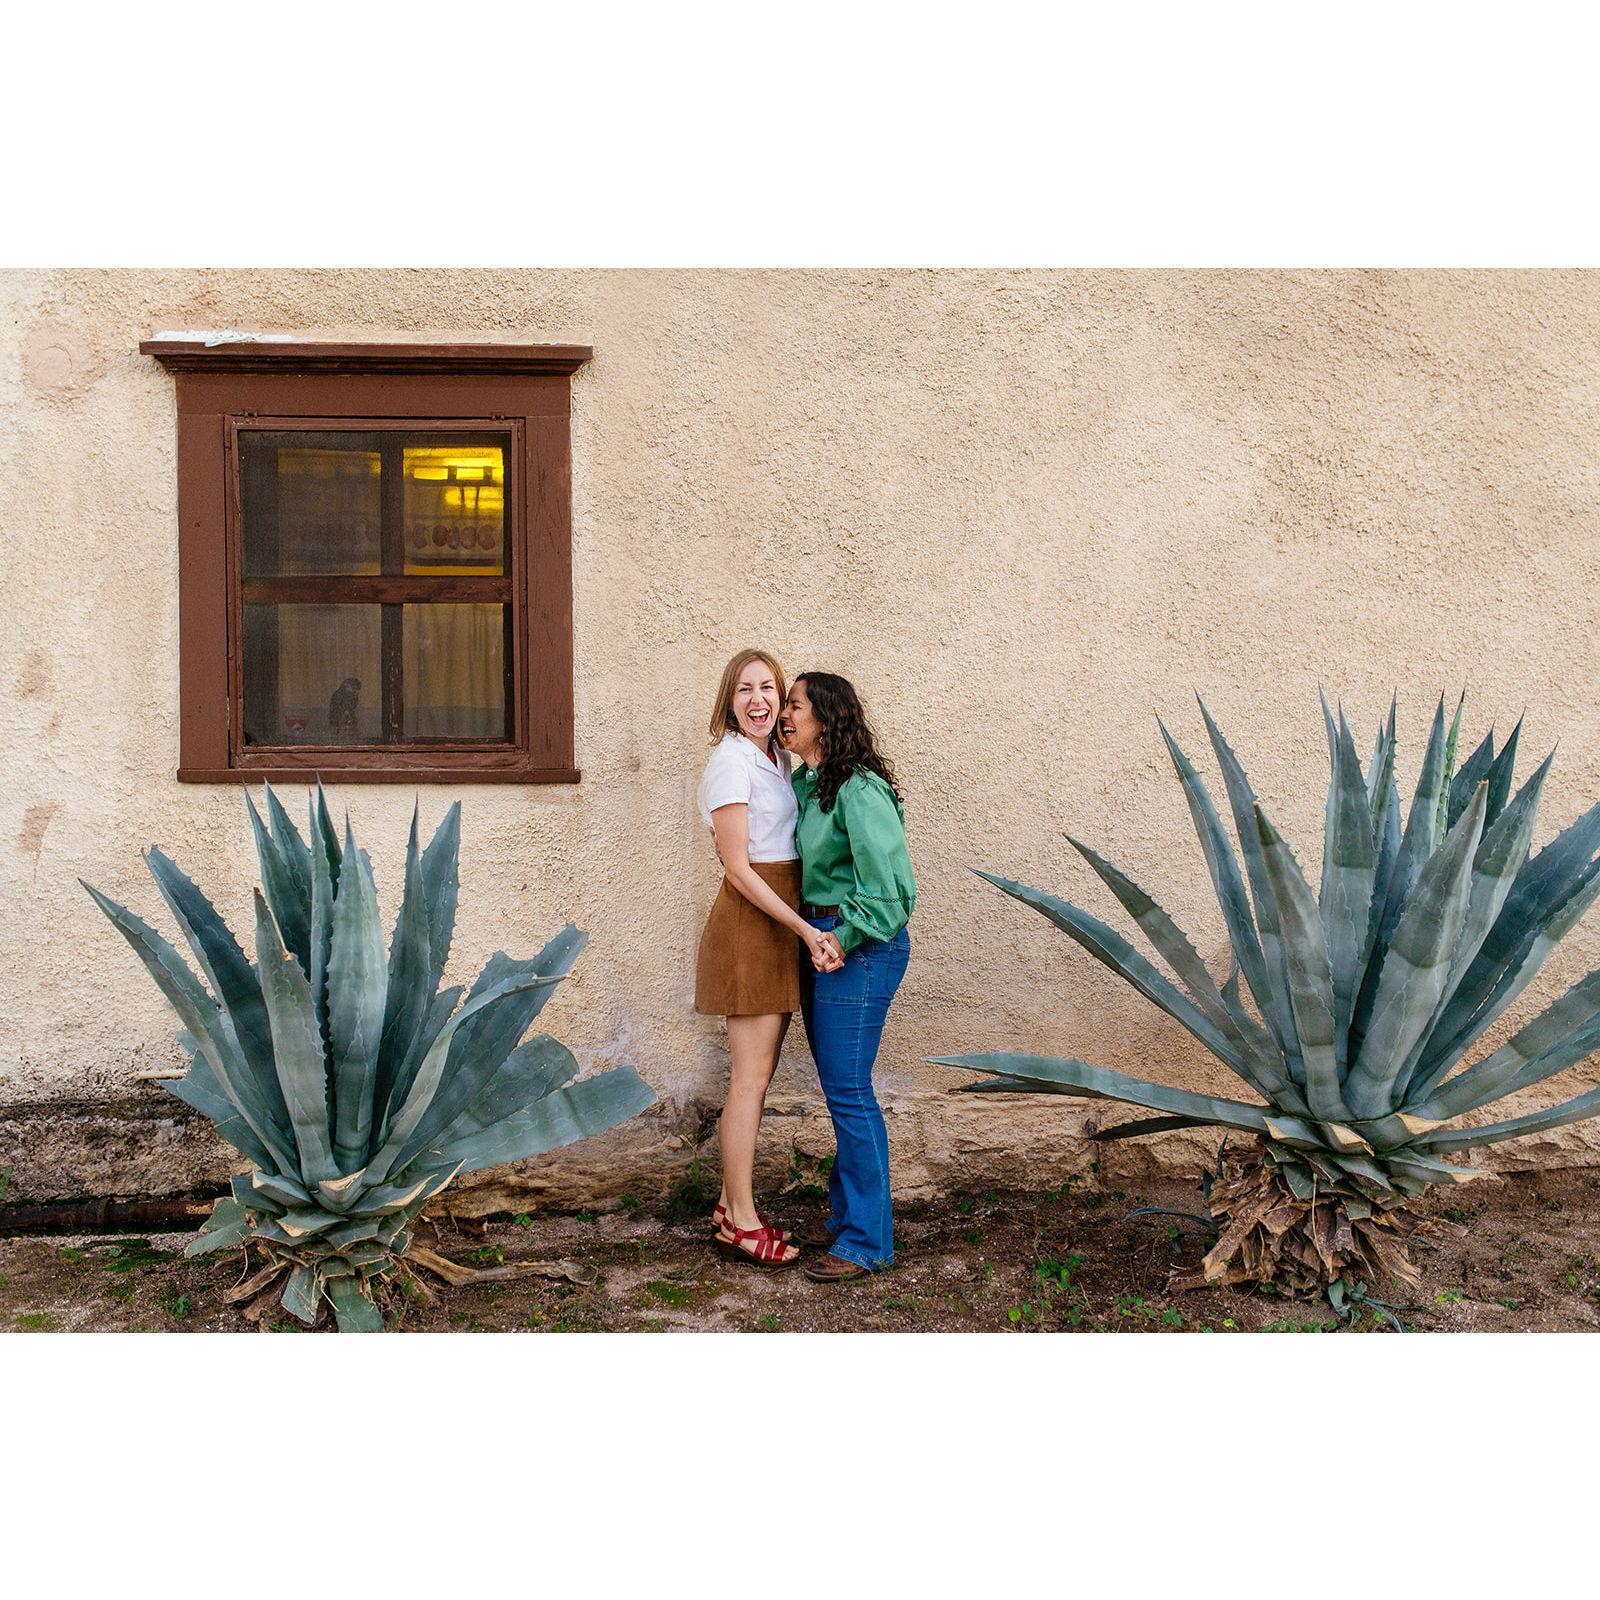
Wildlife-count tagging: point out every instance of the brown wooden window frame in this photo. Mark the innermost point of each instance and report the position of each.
(520, 390)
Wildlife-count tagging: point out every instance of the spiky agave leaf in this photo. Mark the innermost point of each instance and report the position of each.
(356, 1088)
(1422, 937)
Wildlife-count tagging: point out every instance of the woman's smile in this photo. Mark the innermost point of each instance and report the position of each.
(755, 702)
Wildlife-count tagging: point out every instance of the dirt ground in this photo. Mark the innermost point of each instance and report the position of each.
(1070, 1261)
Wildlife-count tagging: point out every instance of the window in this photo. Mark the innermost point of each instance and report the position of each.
(374, 553)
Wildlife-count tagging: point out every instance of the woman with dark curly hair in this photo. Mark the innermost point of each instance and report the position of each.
(857, 887)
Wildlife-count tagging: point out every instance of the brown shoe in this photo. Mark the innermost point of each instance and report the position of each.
(834, 1269)
(817, 1234)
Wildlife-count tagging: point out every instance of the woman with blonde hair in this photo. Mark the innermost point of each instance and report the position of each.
(749, 962)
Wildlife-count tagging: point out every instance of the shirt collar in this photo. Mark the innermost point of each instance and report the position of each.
(755, 754)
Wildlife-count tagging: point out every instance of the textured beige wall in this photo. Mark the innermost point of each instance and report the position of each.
(1024, 511)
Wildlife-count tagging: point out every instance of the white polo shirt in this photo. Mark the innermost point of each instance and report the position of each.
(739, 774)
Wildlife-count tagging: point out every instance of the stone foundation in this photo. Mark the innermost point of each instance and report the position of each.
(150, 1145)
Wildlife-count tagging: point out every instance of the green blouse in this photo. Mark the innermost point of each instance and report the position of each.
(855, 857)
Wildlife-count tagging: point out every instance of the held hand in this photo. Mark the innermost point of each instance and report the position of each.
(829, 958)
(823, 949)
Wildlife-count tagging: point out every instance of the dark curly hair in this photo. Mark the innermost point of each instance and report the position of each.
(847, 742)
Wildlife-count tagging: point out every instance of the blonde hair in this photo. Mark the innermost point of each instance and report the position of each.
(722, 717)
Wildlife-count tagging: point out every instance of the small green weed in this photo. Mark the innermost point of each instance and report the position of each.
(134, 1255)
(682, 1290)
(36, 1322)
(588, 1216)
(769, 1323)
(1172, 1318)
(1450, 1297)
(175, 1305)
(71, 1253)
(523, 1220)
(1059, 1273)
(490, 1255)
(632, 1204)
(694, 1193)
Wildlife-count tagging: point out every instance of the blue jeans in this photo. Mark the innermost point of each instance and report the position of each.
(844, 1014)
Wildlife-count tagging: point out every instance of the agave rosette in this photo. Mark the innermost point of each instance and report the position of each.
(355, 1086)
(1347, 1011)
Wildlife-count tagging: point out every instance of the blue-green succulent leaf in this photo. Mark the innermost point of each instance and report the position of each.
(1259, 1063)
(1548, 897)
(1310, 978)
(441, 880)
(1501, 854)
(1499, 776)
(1416, 966)
(353, 1311)
(1576, 1110)
(410, 983)
(357, 984)
(1228, 883)
(207, 1025)
(1474, 770)
(296, 1046)
(432, 1072)
(1416, 846)
(1274, 970)
(1349, 866)
(591, 1106)
(1108, 946)
(232, 978)
(323, 868)
(1102, 1084)
(290, 911)
(1143, 1125)
(300, 1295)
(291, 847)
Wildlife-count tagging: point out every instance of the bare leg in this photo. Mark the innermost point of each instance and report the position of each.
(753, 1043)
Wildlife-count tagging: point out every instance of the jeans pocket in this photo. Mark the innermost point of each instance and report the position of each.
(846, 987)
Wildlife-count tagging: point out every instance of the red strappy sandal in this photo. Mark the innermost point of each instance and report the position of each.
(767, 1255)
(720, 1219)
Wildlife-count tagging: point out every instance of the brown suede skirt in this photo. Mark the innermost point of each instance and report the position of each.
(749, 965)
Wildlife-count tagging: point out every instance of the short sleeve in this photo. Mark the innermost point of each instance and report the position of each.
(726, 782)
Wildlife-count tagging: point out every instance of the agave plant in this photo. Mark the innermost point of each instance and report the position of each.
(354, 1085)
(1356, 1004)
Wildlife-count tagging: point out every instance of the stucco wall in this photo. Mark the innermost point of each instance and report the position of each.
(1024, 511)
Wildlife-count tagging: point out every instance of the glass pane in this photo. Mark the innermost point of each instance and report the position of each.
(455, 507)
(455, 672)
(312, 674)
(315, 503)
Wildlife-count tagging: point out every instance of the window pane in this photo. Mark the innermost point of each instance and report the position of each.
(455, 672)
(455, 508)
(312, 674)
(316, 503)
(313, 503)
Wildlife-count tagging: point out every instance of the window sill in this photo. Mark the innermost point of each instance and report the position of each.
(463, 776)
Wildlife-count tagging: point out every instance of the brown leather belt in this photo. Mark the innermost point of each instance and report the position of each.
(809, 910)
